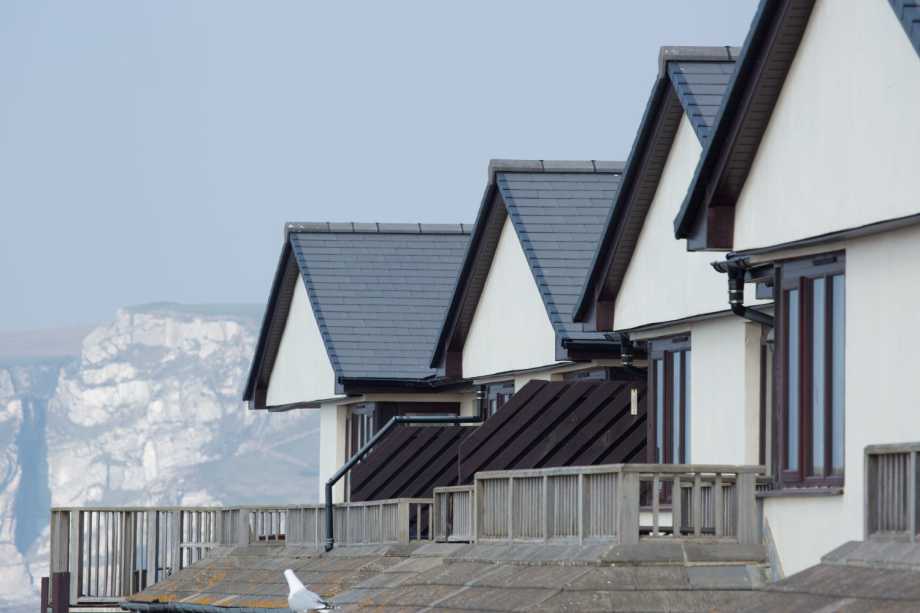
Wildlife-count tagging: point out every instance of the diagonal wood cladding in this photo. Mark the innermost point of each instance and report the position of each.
(545, 424)
(548, 424)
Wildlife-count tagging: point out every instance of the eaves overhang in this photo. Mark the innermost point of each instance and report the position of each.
(644, 168)
(706, 216)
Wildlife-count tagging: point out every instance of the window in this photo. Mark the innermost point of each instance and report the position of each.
(810, 388)
(362, 425)
(594, 374)
(494, 396)
(669, 373)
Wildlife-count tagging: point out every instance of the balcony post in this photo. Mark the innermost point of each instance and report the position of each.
(748, 533)
(74, 556)
(912, 496)
(45, 594)
(403, 518)
(60, 592)
(242, 532)
(627, 508)
(152, 535)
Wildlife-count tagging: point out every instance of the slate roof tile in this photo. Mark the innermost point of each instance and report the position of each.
(379, 291)
(558, 218)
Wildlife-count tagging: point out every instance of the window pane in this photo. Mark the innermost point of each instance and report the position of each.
(659, 409)
(687, 457)
(818, 379)
(837, 373)
(675, 408)
(792, 381)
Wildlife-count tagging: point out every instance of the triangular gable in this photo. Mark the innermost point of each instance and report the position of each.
(302, 371)
(691, 83)
(555, 209)
(852, 77)
(511, 329)
(662, 281)
(370, 297)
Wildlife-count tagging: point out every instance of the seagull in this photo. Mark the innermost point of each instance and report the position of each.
(301, 599)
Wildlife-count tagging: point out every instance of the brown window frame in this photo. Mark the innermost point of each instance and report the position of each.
(663, 350)
(500, 391)
(800, 275)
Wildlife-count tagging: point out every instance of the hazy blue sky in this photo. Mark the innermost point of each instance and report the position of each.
(152, 150)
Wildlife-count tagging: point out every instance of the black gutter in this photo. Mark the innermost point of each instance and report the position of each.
(355, 385)
(341, 472)
(736, 273)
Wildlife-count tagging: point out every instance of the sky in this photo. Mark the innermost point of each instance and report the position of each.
(152, 150)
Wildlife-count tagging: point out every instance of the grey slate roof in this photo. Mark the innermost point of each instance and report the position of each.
(908, 13)
(559, 218)
(379, 292)
(700, 87)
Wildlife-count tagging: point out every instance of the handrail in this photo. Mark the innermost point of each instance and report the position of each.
(604, 502)
(347, 466)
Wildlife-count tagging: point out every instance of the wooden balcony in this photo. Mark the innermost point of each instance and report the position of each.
(619, 503)
(100, 555)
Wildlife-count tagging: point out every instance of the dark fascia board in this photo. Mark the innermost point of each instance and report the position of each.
(707, 213)
(488, 224)
(642, 174)
(369, 385)
(273, 322)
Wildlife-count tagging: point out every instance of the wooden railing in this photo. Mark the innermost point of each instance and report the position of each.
(110, 553)
(453, 513)
(619, 503)
(891, 509)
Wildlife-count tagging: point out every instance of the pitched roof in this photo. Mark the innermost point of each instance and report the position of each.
(701, 86)
(765, 60)
(378, 292)
(766, 57)
(558, 218)
(557, 209)
(908, 13)
(691, 81)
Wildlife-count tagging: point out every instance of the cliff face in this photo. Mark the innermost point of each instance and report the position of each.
(150, 413)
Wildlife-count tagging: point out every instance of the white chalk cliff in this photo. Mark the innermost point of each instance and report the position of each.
(150, 413)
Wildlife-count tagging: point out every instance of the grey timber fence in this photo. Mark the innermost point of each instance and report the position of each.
(111, 552)
(891, 486)
(618, 503)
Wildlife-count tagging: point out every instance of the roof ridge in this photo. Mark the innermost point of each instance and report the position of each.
(554, 166)
(353, 227)
(689, 53)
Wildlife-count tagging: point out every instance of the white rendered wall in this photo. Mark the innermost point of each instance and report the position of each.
(332, 419)
(841, 147)
(302, 370)
(882, 357)
(724, 371)
(663, 281)
(511, 329)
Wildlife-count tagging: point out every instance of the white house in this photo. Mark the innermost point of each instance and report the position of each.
(810, 181)
(644, 286)
(510, 318)
(353, 313)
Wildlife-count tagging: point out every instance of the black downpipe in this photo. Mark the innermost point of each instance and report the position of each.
(736, 295)
(341, 472)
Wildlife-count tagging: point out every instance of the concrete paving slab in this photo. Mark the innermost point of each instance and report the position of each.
(497, 599)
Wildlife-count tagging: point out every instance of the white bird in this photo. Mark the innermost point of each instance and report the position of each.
(300, 599)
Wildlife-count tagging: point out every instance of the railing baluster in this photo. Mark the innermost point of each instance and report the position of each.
(676, 511)
(717, 505)
(656, 485)
(697, 502)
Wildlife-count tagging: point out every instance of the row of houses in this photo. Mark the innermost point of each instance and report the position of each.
(747, 278)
